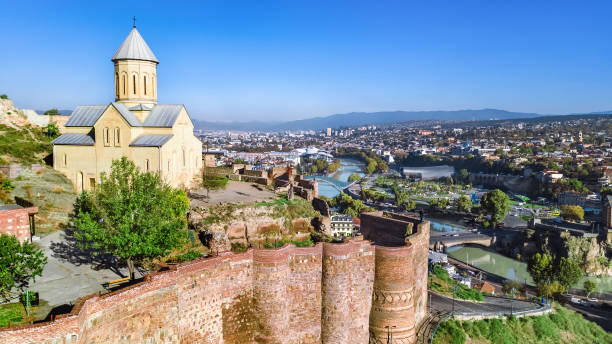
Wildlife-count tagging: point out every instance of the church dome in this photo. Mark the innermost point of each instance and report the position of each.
(134, 48)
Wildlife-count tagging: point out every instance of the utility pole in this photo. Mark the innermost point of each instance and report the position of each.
(454, 291)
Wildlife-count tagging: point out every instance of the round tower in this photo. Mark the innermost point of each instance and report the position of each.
(135, 72)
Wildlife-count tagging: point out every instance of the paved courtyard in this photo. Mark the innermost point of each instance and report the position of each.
(70, 273)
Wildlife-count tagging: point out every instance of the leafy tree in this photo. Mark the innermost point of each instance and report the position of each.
(464, 203)
(354, 177)
(463, 175)
(3, 96)
(569, 272)
(410, 205)
(241, 161)
(313, 169)
(212, 181)
(51, 112)
(5, 189)
(382, 166)
(589, 286)
(370, 167)
(497, 204)
(512, 284)
(334, 166)
(540, 267)
(52, 130)
(19, 263)
(572, 212)
(131, 215)
(400, 198)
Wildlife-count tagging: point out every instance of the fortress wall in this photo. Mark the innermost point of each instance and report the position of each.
(346, 290)
(420, 245)
(393, 303)
(384, 230)
(288, 295)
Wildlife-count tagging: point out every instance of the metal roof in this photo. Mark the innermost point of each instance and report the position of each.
(163, 115)
(134, 48)
(75, 139)
(127, 114)
(85, 115)
(151, 140)
(139, 107)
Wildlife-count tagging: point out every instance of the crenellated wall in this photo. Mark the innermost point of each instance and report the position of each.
(329, 293)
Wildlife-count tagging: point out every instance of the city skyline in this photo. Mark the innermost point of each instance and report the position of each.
(271, 62)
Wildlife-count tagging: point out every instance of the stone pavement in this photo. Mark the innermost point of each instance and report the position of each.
(70, 273)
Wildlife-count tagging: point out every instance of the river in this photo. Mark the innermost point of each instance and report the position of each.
(338, 178)
(504, 266)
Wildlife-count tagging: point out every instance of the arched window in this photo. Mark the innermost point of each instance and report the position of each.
(124, 84)
(184, 159)
(147, 165)
(117, 137)
(65, 160)
(106, 137)
(117, 85)
(145, 85)
(153, 89)
(134, 82)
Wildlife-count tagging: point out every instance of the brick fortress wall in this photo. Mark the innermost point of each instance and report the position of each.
(320, 294)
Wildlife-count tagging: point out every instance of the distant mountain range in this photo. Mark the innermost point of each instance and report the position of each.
(366, 118)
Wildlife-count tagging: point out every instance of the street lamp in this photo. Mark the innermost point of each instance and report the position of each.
(389, 334)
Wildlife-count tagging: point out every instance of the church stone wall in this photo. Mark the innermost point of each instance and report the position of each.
(320, 294)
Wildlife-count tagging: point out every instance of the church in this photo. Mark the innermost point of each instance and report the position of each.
(157, 137)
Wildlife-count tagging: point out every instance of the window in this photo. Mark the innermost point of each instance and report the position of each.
(145, 85)
(117, 137)
(117, 85)
(134, 82)
(106, 135)
(124, 84)
(184, 160)
(147, 165)
(65, 160)
(92, 183)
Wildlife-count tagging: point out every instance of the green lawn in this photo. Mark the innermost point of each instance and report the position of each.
(561, 326)
(13, 313)
(441, 282)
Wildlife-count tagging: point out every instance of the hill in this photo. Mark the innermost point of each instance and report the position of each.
(366, 118)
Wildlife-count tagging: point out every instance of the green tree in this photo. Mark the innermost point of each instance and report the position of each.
(131, 215)
(51, 112)
(497, 204)
(568, 273)
(572, 212)
(20, 263)
(540, 267)
(212, 181)
(3, 96)
(410, 205)
(354, 177)
(312, 169)
(589, 286)
(334, 166)
(463, 175)
(241, 161)
(464, 203)
(400, 198)
(52, 130)
(370, 167)
(5, 189)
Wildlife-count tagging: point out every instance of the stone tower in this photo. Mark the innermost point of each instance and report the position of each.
(135, 73)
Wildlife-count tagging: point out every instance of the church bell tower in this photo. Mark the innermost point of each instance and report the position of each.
(135, 72)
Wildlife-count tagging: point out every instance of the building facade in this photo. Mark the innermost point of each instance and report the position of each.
(158, 138)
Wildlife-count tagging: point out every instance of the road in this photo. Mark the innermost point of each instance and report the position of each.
(489, 305)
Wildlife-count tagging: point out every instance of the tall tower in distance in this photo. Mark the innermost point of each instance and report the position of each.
(135, 72)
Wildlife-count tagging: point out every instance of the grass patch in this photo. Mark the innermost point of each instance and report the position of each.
(561, 326)
(27, 145)
(441, 282)
(13, 313)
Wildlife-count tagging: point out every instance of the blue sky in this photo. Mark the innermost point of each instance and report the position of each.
(263, 60)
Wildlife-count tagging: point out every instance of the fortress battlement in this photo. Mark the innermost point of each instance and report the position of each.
(328, 293)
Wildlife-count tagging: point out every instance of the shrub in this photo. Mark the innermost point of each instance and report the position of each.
(189, 256)
(450, 332)
(3, 96)
(544, 327)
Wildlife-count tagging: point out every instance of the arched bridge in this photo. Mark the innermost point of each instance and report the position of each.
(440, 242)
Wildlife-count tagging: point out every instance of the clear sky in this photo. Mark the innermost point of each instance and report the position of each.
(261, 60)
